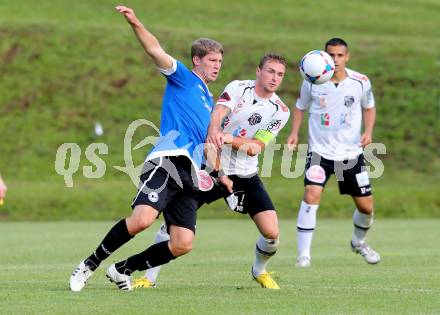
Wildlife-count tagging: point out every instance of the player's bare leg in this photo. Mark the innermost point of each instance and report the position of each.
(362, 221)
(266, 247)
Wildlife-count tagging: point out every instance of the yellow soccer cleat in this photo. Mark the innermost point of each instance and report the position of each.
(266, 281)
(143, 283)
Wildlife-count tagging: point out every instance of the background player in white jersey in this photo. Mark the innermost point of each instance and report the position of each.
(247, 116)
(335, 147)
(166, 183)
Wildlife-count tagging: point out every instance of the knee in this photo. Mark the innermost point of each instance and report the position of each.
(312, 197)
(273, 234)
(366, 206)
(139, 221)
(180, 248)
(366, 210)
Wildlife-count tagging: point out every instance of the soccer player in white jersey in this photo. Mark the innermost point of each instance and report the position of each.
(335, 147)
(247, 116)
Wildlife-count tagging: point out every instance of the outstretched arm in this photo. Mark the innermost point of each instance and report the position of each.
(148, 41)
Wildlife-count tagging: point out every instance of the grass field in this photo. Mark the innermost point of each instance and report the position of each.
(37, 259)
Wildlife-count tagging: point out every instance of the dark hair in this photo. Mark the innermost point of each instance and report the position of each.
(336, 42)
(271, 57)
(203, 46)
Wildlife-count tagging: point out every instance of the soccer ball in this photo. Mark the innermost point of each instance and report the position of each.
(317, 67)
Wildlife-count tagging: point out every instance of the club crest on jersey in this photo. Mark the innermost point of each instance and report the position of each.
(255, 119)
(348, 100)
(322, 101)
(224, 97)
(153, 196)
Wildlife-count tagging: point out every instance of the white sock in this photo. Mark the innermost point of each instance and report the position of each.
(264, 249)
(306, 224)
(362, 222)
(161, 236)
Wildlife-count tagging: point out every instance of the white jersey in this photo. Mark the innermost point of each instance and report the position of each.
(335, 115)
(249, 114)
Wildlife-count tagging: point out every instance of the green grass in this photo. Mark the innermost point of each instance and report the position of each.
(65, 65)
(37, 259)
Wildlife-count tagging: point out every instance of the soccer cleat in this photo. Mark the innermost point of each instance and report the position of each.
(369, 255)
(303, 262)
(122, 281)
(79, 277)
(266, 280)
(143, 283)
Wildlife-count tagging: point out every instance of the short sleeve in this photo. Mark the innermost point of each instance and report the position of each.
(230, 95)
(305, 96)
(367, 99)
(171, 70)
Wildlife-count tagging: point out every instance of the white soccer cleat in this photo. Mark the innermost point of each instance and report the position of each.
(122, 281)
(79, 277)
(369, 255)
(303, 262)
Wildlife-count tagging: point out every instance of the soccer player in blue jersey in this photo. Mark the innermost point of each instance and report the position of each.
(166, 182)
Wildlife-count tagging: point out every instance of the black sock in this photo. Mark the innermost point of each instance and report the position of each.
(155, 255)
(115, 238)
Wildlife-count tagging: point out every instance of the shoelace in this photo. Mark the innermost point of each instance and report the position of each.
(83, 275)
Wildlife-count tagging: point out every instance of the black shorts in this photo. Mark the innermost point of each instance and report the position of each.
(167, 186)
(352, 175)
(249, 195)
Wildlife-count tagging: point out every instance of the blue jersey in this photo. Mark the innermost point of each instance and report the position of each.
(186, 112)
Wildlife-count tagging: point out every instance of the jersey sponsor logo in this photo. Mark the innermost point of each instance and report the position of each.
(226, 121)
(255, 119)
(360, 76)
(224, 97)
(325, 119)
(239, 131)
(369, 97)
(153, 196)
(348, 100)
(316, 174)
(205, 181)
(274, 125)
(281, 104)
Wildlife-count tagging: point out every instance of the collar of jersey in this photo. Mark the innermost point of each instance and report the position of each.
(206, 85)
